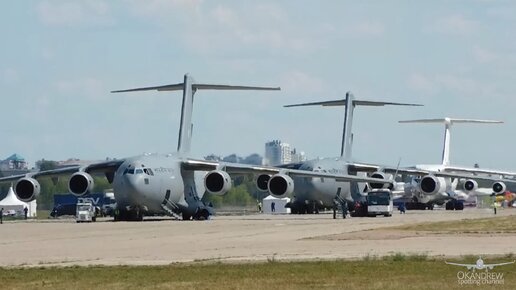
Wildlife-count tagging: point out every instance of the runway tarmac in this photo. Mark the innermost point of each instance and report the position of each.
(236, 239)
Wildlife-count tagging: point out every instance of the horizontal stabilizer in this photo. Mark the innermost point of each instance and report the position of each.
(355, 102)
(180, 86)
(174, 87)
(227, 87)
(451, 121)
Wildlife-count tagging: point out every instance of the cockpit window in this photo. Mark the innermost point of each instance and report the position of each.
(148, 171)
(131, 171)
(139, 171)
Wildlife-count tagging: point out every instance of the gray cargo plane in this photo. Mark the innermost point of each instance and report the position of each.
(310, 195)
(437, 184)
(170, 184)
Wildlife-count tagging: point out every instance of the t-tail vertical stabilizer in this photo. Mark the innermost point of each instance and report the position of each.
(189, 86)
(350, 103)
(448, 122)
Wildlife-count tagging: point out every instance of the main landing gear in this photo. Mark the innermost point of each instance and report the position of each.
(135, 214)
(454, 205)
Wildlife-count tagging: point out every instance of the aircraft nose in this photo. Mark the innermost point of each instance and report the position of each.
(133, 181)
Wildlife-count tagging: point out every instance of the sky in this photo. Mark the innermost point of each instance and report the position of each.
(59, 60)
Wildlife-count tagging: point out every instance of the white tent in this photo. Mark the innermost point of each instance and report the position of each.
(11, 202)
(279, 205)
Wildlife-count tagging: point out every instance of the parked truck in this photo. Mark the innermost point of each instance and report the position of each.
(85, 212)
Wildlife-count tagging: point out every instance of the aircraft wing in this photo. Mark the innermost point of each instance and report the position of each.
(498, 264)
(96, 167)
(234, 168)
(472, 174)
(469, 266)
(370, 168)
(479, 171)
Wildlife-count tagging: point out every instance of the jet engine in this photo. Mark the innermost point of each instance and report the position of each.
(470, 185)
(499, 187)
(431, 185)
(381, 175)
(262, 182)
(280, 185)
(27, 189)
(217, 182)
(80, 183)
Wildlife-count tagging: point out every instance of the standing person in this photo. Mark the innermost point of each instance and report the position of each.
(273, 206)
(260, 207)
(402, 208)
(494, 206)
(25, 210)
(2, 215)
(344, 209)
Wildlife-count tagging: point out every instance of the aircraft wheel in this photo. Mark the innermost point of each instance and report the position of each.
(459, 206)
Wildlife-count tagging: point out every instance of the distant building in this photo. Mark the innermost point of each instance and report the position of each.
(14, 162)
(297, 156)
(277, 152)
(13, 165)
(213, 157)
(253, 159)
(233, 158)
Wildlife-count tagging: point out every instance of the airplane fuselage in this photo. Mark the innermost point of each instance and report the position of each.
(150, 182)
(322, 191)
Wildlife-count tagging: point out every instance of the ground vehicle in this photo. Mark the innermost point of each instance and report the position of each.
(63, 209)
(379, 202)
(109, 204)
(85, 212)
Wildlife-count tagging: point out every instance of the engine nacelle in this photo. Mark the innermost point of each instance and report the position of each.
(280, 185)
(499, 187)
(80, 183)
(217, 182)
(431, 185)
(470, 185)
(262, 182)
(380, 175)
(27, 189)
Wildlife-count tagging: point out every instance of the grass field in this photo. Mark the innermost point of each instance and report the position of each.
(394, 272)
(506, 225)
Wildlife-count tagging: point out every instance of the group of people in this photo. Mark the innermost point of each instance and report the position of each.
(273, 207)
(25, 212)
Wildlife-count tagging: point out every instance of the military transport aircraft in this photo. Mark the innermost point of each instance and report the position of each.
(429, 190)
(435, 183)
(170, 183)
(312, 194)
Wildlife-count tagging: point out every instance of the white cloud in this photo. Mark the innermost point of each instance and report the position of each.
(72, 13)
(210, 27)
(455, 24)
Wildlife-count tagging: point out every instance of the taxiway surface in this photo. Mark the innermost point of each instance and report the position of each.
(235, 238)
